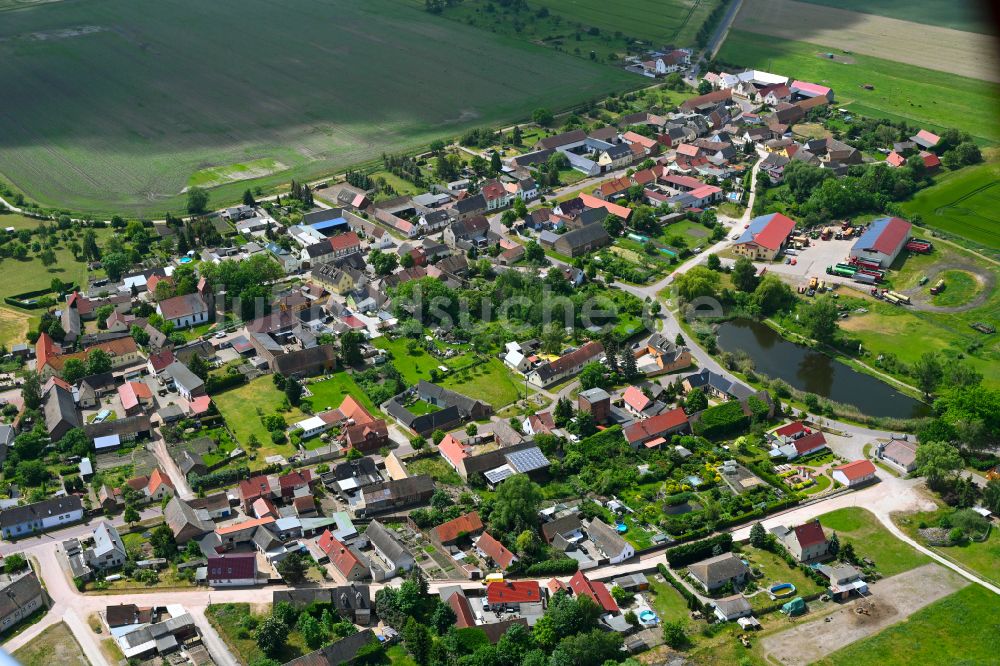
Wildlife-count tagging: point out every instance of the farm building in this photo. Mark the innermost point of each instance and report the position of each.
(765, 237)
(854, 473)
(883, 240)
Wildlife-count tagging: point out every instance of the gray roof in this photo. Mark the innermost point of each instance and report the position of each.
(182, 376)
(341, 652)
(583, 235)
(387, 543)
(44, 509)
(528, 460)
(18, 593)
(733, 605)
(179, 515)
(60, 410)
(107, 540)
(594, 395)
(605, 537)
(721, 567)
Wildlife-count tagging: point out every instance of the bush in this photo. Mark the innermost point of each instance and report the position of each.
(563, 566)
(681, 556)
(722, 420)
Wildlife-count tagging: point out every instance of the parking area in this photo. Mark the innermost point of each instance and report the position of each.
(813, 260)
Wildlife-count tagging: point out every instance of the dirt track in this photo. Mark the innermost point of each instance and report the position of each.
(946, 50)
(922, 299)
(894, 599)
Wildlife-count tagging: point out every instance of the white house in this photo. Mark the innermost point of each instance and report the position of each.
(20, 521)
(108, 551)
(184, 311)
(389, 550)
(855, 473)
(232, 569)
(614, 548)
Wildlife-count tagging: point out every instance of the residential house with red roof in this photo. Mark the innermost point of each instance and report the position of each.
(135, 397)
(508, 595)
(855, 473)
(565, 366)
(765, 237)
(596, 590)
(49, 362)
(342, 557)
(159, 486)
(882, 241)
(459, 603)
(931, 161)
(495, 551)
(256, 487)
(653, 432)
(496, 195)
(293, 483)
(795, 447)
(894, 159)
(345, 244)
(232, 569)
(612, 209)
(636, 401)
(159, 361)
(468, 525)
(367, 437)
(806, 542)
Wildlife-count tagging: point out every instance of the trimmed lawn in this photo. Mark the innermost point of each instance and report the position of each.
(329, 393)
(667, 602)
(436, 468)
(239, 407)
(890, 555)
(959, 629)
(900, 90)
(491, 382)
(776, 570)
(418, 365)
(55, 645)
(822, 483)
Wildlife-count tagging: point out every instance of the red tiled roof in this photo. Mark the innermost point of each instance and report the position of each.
(682, 181)
(929, 137)
(810, 534)
(161, 360)
(493, 189)
(644, 177)
(295, 479)
(811, 88)
(345, 241)
(495, 550)
(246, 524)
(352, 409)
(930, 159)
(590, 350)
(264, 507)
(45, 348)
(254, 487)
(791, 429)
(200, 404)
(132, 392)
(655, 426)
(614, 209)
(452, 449)
(464, 617)
(304, 503)
(513, 592)
(634, 137)
(447, 532)
(157, 479)
(687, 150)
(615, 186)
(895, 159)
(232, 566)
(596, 590)
(342, 557)
(635, 398)
(775, 231)
(858, 469)
(812, 441)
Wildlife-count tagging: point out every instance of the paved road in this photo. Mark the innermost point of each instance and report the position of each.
(719, 36)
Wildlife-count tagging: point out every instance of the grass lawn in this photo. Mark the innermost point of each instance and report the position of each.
(491, 382)
(692, 233)
(329, 393)
(900, 91)
(964, 203)
(960, 288)
(421, 407)
(55, 645)
(131, 151)
(418, 365)
(402, 187)
(967, 16)
(776, 570)
(667, 602)
(226, 618)
(398, 656)
(959, 629)
(822, 483)
(436, 468)
(871, 540)
(239, 407)
(980, 557)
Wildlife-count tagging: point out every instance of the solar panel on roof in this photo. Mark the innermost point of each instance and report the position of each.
(527, 460)
(497, 475)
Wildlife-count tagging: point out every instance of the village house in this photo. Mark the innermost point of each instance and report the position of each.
(184, 311)
(392, 556)
(654, 432)
(20, 597)
(565, 366)
(765, 238)
(854, 474)
(344, 558)
(660, 356)
(21, 521)
(232, 569)
(510, 595)
(596, 402)
(806, 542)
(714, 572)
(609, 543)
(494, 551)
(899, 452)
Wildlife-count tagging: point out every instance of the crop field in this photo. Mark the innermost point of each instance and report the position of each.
(963, 53)
(965, 203)
(903, 92)
(958, 629)
(657, 21)
(967, 15)
(120, 104)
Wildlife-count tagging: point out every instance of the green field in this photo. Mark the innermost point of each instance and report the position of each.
(962, 628)
(960, 288)
(657, 21)
(871, 540)
(964, 202)
(490, 382)
(329, 393)
(417, 365)
(920, 96)
(966, 15)
(120, 103)
(239, 408)
(54, 645)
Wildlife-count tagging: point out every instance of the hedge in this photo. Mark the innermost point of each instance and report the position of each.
(722, 420)
(220, 478)
(215, 384)
(685, 554)
(563, 566)
(693, 602)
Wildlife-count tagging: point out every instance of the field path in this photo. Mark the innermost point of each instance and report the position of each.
(922, 300)
(964, 53)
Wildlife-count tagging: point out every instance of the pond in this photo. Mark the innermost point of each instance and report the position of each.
(815, 372)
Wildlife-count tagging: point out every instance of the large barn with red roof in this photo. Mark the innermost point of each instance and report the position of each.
(882, 241)
(765, 237)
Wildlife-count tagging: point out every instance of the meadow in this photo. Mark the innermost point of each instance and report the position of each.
(959, 629)
(119, 105)
(966, 15)
(57, 644)
(964, 203)
(871, 540)
(656, 21)
(923, 97)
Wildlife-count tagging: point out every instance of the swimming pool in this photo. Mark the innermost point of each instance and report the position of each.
(185, 260)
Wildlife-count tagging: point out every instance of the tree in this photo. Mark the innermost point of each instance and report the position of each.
(543, 117)
(713, 262)
(293, 391)
(629, 366)
(48, 257)
(293, 569)
(744, 275)
(704, 87)
(674, 635)
(613, 225)
(679, 340)
(271, 635)
(248, 199)
(74, 370)
(350, 347)
(991, 495)
(533, 252)
(131, 516)
(820, 319)
(31, 390)
(697, 282)
(438, 435)
(197, 201)
(417, 640)
(14, 562)
(115, 264)
(32, 473)
(442, 618)
(383, 262)
(758, 536)
(593, 648)
(99, 361)
(695, 401)
(313, 633)
(163, 542)
(928, 372)
(563, 412)
(90, 250)
(199, 367)
(515, 505)
(834, 546)
(593, 376)
(495, 164)
(937, 461)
